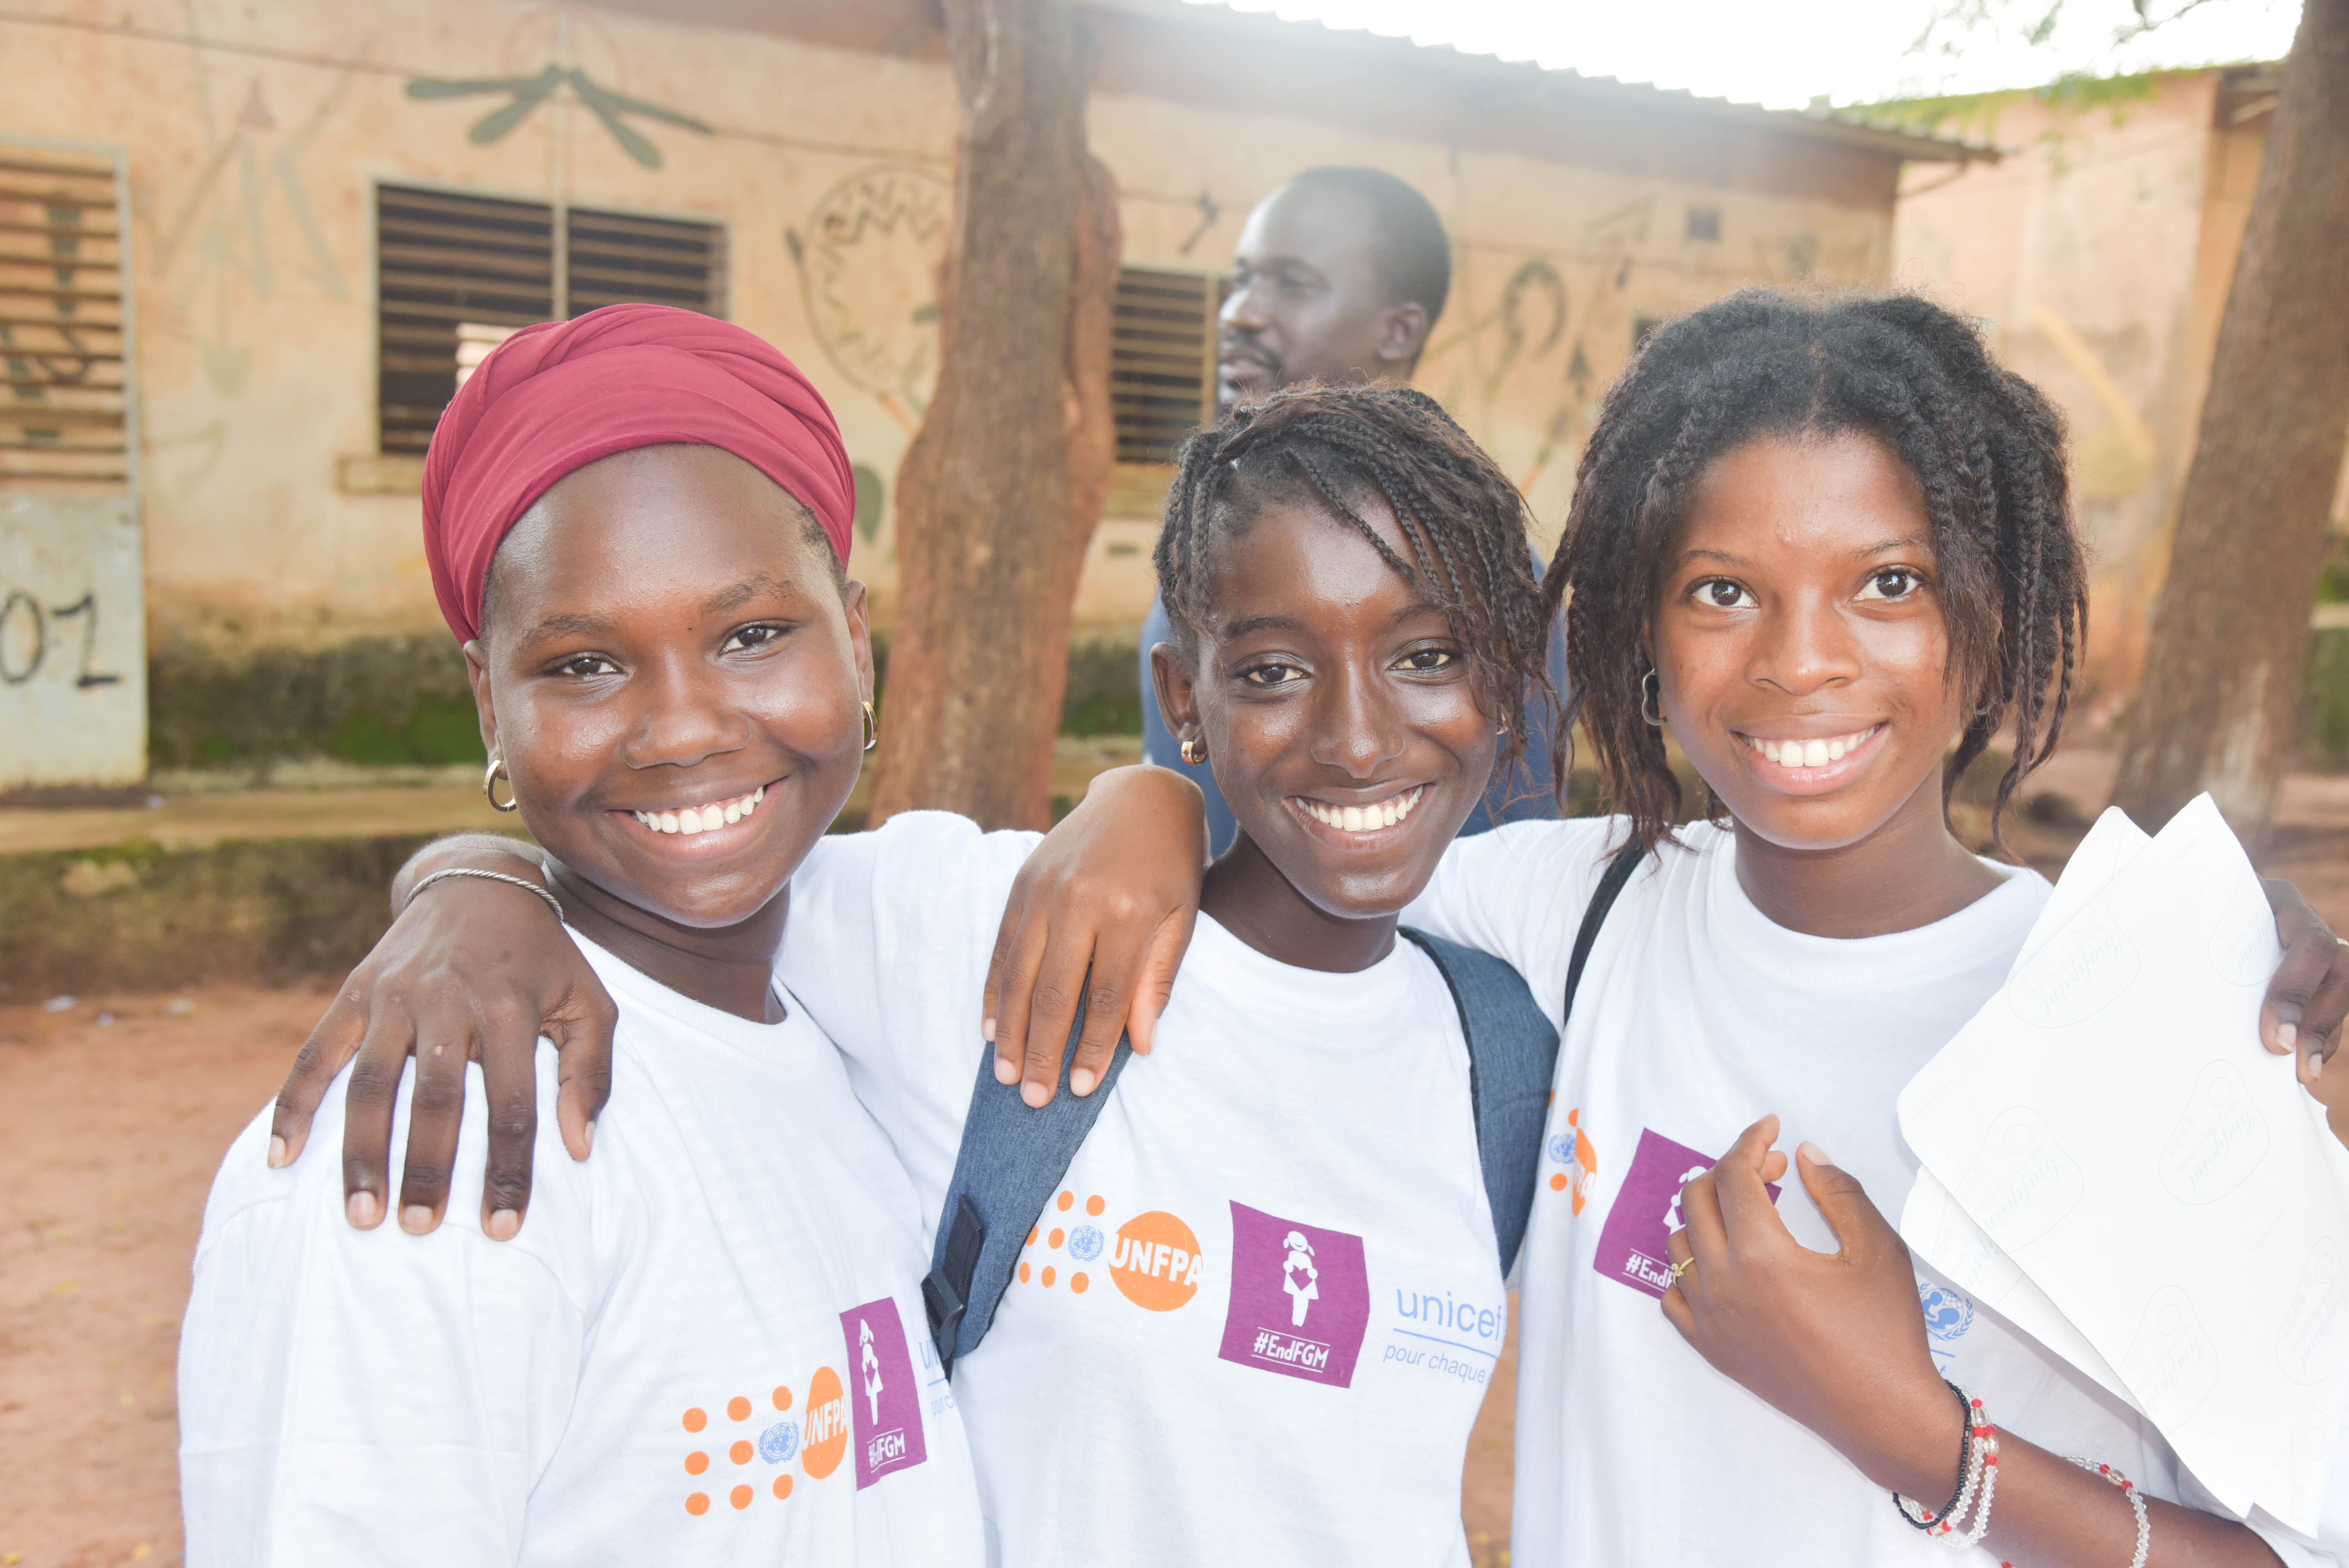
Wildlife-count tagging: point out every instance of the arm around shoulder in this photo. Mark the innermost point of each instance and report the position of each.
(473, 970)
(1520, 891)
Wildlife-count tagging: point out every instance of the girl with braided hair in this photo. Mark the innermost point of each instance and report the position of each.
(1257, 1319)
(1827, 548)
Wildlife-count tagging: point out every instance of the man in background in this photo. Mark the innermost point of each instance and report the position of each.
(1339, 277)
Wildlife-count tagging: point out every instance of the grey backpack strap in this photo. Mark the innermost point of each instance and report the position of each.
(1012, 1161)
(1513, 1055)
(1512, 1052)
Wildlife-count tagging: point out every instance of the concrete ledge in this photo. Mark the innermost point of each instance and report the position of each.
(139, 917)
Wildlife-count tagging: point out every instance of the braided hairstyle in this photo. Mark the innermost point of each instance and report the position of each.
(1332, 447)
(1987, 448)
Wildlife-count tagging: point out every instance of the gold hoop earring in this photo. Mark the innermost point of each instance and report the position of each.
(1194, 753)
(1652, 706)
(872, 727)
(490, 786)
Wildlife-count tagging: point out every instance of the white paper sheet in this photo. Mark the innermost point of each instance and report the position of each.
(2116, 1163)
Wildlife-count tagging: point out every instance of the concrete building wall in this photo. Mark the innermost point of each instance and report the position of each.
(256, 131)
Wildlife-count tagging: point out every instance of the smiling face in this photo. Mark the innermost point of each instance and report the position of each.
(1307, 302)
(1799, 641)
(663, 645)
(1336, 709)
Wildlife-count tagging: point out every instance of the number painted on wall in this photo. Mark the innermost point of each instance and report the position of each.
(25, 632)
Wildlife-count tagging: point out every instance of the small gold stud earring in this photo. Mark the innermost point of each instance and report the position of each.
(1194, 753)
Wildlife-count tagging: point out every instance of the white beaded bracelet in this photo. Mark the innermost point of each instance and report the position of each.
(2137, 1506)
(522, 882)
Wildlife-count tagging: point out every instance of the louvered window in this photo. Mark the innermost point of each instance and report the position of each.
(455, 274)
(63, 333)
(1163, 361)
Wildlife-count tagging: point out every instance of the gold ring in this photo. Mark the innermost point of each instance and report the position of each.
(1680, 1269)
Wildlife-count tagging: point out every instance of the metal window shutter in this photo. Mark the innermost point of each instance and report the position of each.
(617, 257)
(442, 261)
(1162, 361)
(65, 412)
(446, 262)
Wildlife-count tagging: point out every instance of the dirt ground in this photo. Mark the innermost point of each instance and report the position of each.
(113, 1116)
(109, 1134)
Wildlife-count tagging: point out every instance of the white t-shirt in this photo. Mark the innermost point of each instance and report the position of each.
(1696, 1017)
(1256, 1323)
(707, 1346)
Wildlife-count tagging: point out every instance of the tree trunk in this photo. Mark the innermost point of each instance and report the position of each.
(2220, 707)
(1001, 488)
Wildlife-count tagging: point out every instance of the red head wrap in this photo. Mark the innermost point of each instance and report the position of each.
(557, 396)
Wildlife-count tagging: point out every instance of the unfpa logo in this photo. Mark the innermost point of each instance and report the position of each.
(825, 1435)
(1155, 1262)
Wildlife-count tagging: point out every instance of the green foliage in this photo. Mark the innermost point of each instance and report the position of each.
(1104, 694)
(439, 729)
(2324, 703)
(2333, 583)
(372, 700)
(1973, 117)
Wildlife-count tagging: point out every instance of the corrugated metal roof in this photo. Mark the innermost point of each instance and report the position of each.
(1453, 64)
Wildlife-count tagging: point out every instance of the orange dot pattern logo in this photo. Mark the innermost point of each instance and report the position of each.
(826, 1441)
(1578, 1160)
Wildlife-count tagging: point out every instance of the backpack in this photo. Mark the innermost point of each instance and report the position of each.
(1012, 1156)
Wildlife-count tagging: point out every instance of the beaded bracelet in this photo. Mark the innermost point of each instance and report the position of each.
(1918, 1516)
(1978, 1464)
(1987, 1436)
(2137, 1506)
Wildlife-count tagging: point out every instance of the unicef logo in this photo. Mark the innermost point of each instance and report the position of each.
(1948, 1315)
(778, 1443)
(1561, 1149)
(1084, 1243)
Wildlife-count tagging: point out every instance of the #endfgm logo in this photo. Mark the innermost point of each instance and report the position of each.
(1300, 1298)
(884, 1401)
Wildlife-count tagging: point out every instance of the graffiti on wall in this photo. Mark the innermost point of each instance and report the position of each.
(524, 95)
(1537, 345)
(1525, 365)
(218, 243)
(553, 40)
(868, 259)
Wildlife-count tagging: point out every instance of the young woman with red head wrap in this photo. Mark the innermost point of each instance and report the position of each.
(711, 1346)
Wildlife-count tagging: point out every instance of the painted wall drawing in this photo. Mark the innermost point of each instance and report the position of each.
(868, 262)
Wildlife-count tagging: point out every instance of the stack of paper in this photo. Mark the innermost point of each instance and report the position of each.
(2115, 1164)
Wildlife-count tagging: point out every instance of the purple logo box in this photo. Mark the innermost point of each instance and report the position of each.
(1631, 1248)
(1300, 1298)
(883, 1391)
